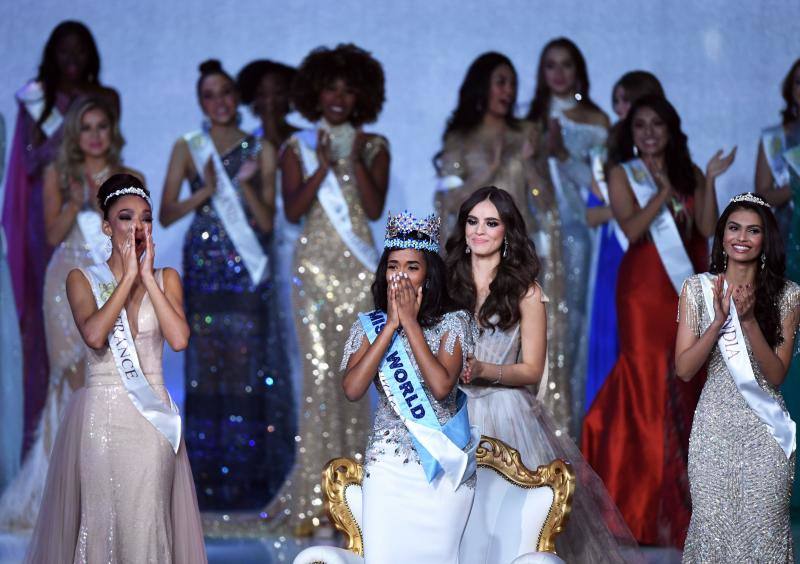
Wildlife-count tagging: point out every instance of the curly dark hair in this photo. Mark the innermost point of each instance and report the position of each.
(250, 76)
(210, 67)
(112, 184)
(436, 299)
(540, 105)
(770, 280)
(49, 71)
(516, 272)
(357, 67)
(473, 96)
(791, 112)
(680, 169)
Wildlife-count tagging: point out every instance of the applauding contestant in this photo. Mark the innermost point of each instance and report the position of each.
(418, 488)
(740, 319)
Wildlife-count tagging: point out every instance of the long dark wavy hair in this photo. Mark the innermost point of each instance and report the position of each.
(791, 112)
(678, 161)
(769, 280)
(50, 73)
(473, 95)
(436, 299)
(540, 106)
(516, 272)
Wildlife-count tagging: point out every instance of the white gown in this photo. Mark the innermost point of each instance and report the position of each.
(595, 531)
(405, 518)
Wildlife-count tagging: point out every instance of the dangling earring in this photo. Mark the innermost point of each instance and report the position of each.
(635, 151)
(505, 247)
(108, 247)
(763, 261)
(724, 261)
(467, 250)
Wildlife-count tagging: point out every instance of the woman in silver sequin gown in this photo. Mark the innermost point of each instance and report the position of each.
(571, 125)
(509, 361)
(740, 477)
(89, 153)
(406, 517)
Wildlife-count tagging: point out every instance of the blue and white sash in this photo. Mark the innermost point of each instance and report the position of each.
(733, 348)
(773, 141)
(165, 418)
(598, 156)
(228, 206)
(440, 447)
(792, 158)
(663, 229)
(32, 97)
(332, 200)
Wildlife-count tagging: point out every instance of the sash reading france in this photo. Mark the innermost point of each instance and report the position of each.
(440, 447)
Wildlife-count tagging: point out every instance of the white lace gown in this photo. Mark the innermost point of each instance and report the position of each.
(405, 518)
(595, 532)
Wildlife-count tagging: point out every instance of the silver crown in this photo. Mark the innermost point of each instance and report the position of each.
(750, 198)
(400, 227)
(133, 190)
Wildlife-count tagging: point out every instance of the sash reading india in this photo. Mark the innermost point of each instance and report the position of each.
(165, 418)
(734, 351)
(332, 201)
(773, 141)
(663, 230)
(228, 206)
(32, 97)
(440, 447)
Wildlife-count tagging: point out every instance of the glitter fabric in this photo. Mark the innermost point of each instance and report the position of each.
(469, 157)
(575, 176)
(389, 435)
(739, 477)
(330, 287)
(240, 420)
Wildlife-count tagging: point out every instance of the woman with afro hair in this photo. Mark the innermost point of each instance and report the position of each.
(334, 181)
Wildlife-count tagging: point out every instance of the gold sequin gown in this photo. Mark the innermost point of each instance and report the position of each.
(739, 477)
(331, 287)
(469, 157)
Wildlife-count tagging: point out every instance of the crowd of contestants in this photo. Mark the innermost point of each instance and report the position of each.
(575, 284)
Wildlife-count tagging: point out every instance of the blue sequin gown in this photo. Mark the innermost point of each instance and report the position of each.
(603, 339)
(240, 415)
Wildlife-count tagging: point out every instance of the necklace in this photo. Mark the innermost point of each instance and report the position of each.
(100, 176)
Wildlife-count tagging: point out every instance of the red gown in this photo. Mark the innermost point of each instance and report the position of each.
(636, 433)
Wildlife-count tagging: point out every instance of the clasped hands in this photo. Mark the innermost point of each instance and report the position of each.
(744, 298)
(403, 302)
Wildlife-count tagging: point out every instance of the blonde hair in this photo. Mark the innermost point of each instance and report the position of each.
(70, 158)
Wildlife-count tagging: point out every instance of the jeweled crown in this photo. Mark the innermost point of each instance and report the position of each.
(749, 197)
(401, 230)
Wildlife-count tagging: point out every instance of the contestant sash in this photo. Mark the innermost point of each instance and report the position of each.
(792, 158)
(332, 200)
(32, 97)
(165, 418)
(440, 447)
(598, 156)
(228, 206)
(773, 142)
(663, 229)
(90, 224)
(733, 348)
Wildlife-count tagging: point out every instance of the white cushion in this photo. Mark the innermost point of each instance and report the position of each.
(505, 522)
(353, 496)
(327, 555)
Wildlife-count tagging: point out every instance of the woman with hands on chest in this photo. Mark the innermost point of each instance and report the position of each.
(740, 320)
(120, 486)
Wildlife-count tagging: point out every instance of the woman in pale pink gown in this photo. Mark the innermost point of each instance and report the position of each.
(116, 490)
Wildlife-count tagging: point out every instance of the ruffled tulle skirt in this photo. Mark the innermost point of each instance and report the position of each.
(595, 531)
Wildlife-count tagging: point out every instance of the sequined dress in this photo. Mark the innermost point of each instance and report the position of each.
(240, 422)
(431, 514)
(66, 351)
(574, 182)
(331, 286)
(739, 476)
(116, 491)
(596, 531)
(468, 157)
